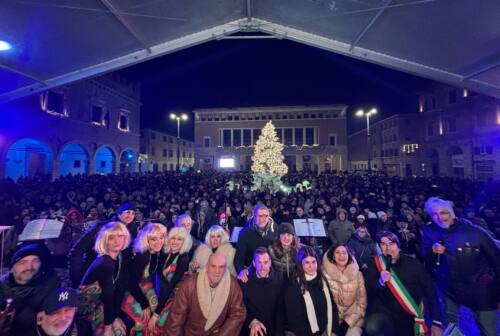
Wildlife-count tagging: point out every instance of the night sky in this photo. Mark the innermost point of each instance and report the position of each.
(244, 73)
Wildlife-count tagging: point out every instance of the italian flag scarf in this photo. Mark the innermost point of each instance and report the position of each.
(404, 298)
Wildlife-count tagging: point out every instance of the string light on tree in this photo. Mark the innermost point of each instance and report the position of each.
(268, 166)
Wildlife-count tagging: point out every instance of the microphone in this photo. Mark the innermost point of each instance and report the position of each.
(438, 259)
(388, 258)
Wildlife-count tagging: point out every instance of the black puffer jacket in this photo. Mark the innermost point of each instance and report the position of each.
(469, 270)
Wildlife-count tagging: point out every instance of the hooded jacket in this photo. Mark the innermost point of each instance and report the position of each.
(340, 231)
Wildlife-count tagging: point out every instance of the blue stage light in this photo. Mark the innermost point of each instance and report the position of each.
(4, 46)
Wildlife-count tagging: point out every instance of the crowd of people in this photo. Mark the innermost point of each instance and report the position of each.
(203, 254)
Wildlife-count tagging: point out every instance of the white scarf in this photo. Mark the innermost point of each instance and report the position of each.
(211, 309)
(311, 312)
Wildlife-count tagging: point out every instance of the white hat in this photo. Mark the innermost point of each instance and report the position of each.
(360, 217)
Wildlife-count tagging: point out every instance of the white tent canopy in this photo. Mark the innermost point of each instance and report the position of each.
(55, 42)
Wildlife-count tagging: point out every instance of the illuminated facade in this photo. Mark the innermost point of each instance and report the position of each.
(161, 151)
(461, 133)
(315, 137)
(87, 127)
(395, 146)
(455, 133)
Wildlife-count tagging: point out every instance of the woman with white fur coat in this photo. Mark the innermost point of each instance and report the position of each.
(348, 288)
(216, 240)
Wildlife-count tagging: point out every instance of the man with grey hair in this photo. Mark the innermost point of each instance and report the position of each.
(186, 222)
(465, 261)
(207, 303)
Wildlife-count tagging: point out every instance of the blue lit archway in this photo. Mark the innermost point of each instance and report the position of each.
(104, 161)
(128, 161)
(28, 157)
(74, 160)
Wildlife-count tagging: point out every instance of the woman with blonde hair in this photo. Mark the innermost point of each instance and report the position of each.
(216, 240)
(141, 301)
(104, 284)
(174, 268)
(348, 288)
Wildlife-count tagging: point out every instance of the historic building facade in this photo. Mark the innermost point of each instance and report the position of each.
(315, 137)
(160, 151)
(87, 127)
(454, 133)
(394, 144)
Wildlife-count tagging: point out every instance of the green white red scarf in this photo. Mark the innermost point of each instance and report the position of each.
(404, 298)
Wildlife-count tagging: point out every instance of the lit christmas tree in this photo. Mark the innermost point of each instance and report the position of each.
(268, 166)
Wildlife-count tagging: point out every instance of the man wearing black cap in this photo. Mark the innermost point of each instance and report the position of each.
(28, 283)
(57, 316)
(82, 254)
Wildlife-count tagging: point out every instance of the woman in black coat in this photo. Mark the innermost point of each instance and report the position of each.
(309, 305)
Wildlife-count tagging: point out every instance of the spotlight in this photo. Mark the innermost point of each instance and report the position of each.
(4, 46)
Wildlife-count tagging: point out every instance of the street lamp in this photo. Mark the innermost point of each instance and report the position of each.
(360, 114)
(180, 117)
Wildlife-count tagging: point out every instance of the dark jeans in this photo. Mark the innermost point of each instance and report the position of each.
(383, 324)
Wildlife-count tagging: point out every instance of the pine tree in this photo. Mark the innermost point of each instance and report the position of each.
(268, 166)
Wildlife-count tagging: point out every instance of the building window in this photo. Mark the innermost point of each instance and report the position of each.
(236, 117)
(190, 155)
(256, 135)
(170, 153)
(430, 129)
(123, 123)
(97, 115)
(452, 96)
(482, 118)
(53, 103)
(164, 138)
(452, 125)
(332, 139)
(153, 151)
(77, 164)
(164, 167)
(171, 140)
(310, 136)
(237, 137)
(279, 134)
(183, 154)
(207, 141)
(247, 137)
(288, 136)
(153, 135)
(230, 118)
(299, 136)
(183, 143)
(164, 152)
(226, 138)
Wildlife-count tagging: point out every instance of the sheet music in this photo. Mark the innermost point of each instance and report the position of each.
(309, 227)
(41, 229)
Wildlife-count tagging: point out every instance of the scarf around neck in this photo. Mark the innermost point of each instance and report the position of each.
(311, 312)
(211, 309)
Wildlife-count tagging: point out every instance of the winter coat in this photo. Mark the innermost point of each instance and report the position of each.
(348, 289)
(469, 269)
(263, 298)
(284, 264)
(186, 317)
(249, 239)
(296, 311)
(203, 252)
(27, 299)
(363, 249)
(339, 231)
